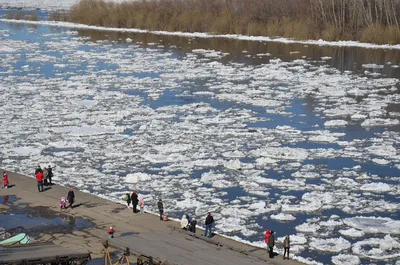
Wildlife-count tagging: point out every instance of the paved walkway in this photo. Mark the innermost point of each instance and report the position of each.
(103, 213)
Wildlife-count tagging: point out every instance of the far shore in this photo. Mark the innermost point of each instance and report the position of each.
(78, 26)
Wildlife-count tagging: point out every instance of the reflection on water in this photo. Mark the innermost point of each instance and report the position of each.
(256, 52)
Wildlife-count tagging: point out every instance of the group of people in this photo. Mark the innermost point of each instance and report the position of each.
(188, 224)
(43, 177)
(136, 201)
(70, 199)
(270, 241)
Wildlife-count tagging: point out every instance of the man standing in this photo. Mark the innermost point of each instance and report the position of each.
(71, 198)
(135, 200)
(50, 174)
(209, 223)
(38, 169)
(39, 178)
(271, 244)
(160, 208)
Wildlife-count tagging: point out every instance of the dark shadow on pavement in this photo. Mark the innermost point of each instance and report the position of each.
(129, 234)
(76, 205)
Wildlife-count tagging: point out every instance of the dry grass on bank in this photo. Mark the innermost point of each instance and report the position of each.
(19, 15)
(375, 21)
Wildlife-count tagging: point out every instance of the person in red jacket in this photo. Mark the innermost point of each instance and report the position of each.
(5, 180)
(39, 178)
(266, 237)
(111, 232)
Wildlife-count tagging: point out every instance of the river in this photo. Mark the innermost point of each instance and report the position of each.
(301, 139)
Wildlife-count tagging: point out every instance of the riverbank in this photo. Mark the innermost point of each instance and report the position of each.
(100, 213)
(299, 19)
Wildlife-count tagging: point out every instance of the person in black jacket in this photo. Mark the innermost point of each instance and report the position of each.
(71, 198)
(271, 244)
(160, 206)
(38, 169)
(50, 174)
(135, 200)
(209, 223)
(192, 225)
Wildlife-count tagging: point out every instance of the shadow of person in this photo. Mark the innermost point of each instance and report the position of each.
(47, 188)
(10, 186)
(76, 205)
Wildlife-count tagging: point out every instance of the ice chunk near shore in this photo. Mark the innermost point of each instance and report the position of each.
(352, 232)
(378, 248)
(330, 244)
(283, 217)
(374, 224)
(137, 177)
(343, 259)
(307, 228)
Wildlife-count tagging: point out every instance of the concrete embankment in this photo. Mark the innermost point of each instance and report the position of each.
(87, 223)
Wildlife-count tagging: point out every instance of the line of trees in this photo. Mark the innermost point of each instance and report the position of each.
(375, 21)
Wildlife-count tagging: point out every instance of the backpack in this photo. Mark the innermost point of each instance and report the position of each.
(127, 197)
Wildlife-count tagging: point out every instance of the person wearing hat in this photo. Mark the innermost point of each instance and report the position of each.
(192, 225)
(111, 232)
(271, 244)
(160, 206)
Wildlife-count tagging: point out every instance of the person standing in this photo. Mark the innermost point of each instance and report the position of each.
(184, 222)
(128, 199)
(286, 246)
(38, 169)
(50, 175)
(267, 234)
(141, 205)
(111, 232)
(39, 179)
(135, 201)
(71, 198)
(192, 226)
(209, 223)
(271, 244)
(160, 206)
(45, 176)
(5, 180)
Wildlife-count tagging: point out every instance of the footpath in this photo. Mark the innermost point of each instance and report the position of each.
(101, 214)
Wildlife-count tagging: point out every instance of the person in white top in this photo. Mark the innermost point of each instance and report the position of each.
(184, 222)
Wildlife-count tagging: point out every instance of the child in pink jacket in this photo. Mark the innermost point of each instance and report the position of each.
(141, 205)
